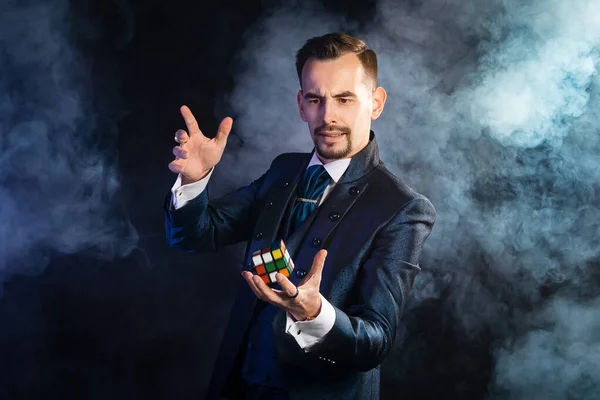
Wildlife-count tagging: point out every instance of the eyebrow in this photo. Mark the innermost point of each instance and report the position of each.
(347, 93)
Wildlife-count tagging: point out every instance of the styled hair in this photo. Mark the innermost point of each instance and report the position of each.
(333, 45)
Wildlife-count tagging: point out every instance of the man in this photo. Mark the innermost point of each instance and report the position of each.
(324, 332)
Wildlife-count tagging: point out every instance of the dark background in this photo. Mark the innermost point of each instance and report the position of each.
(148, 325)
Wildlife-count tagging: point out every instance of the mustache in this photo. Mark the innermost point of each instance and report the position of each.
(330, 128)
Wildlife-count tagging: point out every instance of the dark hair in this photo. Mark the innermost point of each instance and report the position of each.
(334, 45)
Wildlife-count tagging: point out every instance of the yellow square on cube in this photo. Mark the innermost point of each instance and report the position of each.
(277, 254)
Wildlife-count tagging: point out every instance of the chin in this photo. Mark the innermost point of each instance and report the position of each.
(329, 153)
(335, 151)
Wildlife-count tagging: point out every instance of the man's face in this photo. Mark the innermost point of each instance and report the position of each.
(338, 102)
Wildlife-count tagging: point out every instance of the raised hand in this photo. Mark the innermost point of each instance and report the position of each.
(197, 154)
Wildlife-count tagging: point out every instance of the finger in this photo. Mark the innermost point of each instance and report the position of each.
(248, 277)
(224, 130)
(316, 270)
(190, 121)
(260, 288)
(288, 288)
(181, 136)
(179, 152)
(266, 292)
(176, 166)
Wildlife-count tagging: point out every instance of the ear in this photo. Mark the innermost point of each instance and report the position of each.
(300, 106)
(379, 97)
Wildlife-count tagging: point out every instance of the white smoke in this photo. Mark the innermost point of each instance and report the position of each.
(532, 82)
(57, 185)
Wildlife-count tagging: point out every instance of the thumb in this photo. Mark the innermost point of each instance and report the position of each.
(316, 271)
(224, 129)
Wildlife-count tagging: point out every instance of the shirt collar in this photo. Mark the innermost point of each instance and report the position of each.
(335, 169)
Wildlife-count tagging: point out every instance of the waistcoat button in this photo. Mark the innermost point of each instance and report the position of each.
(300, 273)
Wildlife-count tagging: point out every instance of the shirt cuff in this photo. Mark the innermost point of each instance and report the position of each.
(181, 194)
(310, 333)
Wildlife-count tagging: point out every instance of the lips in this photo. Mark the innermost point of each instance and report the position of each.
(330, 137)
(331, 134)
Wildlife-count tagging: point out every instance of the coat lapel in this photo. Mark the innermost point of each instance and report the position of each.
(333, 210)
(274, 218)
(313, 235)
(328, 215)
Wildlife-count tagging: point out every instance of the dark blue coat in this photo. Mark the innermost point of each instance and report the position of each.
(373, 227)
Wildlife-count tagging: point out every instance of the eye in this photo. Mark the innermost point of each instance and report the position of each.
(344, 101)
(314, 101)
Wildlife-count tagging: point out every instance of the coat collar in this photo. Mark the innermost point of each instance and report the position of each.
(363, 162)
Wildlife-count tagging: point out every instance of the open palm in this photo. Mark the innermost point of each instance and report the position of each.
(197, 154)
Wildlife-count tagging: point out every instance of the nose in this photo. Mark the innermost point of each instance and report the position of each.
(328, 111)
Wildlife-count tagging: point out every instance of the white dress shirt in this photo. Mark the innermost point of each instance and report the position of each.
(306, 333)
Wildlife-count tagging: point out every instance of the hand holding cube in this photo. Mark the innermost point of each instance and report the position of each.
(307, 303)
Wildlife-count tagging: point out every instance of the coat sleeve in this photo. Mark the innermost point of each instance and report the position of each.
(202, 225)
(363, 335)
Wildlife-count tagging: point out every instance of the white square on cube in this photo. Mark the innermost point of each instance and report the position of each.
(257, 260)
(272, 276)
(267, 257)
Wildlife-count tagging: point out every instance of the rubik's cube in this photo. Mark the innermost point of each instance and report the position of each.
(270, 260)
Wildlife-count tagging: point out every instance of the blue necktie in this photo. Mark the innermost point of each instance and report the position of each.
(313, 184)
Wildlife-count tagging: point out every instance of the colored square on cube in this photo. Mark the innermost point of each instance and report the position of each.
(277, 254)
(261, 270)
(270, 267)
(270, 260)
